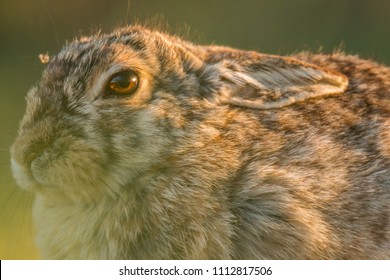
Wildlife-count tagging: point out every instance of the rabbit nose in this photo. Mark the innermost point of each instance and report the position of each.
(27, 161)
(27, 148)
(20, 167)
(18, 158)
(22, 175)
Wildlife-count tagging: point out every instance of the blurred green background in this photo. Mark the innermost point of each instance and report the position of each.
(31, 27)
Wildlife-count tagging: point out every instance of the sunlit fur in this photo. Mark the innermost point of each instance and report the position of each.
(220, 154)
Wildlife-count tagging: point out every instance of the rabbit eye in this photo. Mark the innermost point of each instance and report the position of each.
(123, 83)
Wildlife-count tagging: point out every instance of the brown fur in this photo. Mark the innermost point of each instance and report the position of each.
(220, 154)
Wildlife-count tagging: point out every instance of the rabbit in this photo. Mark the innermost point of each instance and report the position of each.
(138, 144)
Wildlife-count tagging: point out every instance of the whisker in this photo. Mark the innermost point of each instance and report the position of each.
(12, 201)
(49, 15)
(114, 192)
(127, 12)
(27, 213)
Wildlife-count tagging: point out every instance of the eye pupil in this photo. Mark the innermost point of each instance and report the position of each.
(123, 83)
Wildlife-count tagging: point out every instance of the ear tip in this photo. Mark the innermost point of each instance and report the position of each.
(337, 79)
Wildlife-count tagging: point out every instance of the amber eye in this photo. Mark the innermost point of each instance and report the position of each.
(123, 83)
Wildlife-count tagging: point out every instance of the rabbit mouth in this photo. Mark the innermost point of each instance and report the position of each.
(48, 176)
(31, 168)
(48, 169)
(31, 179)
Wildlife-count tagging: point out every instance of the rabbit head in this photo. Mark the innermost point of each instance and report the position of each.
(159, 131)
(77, 131)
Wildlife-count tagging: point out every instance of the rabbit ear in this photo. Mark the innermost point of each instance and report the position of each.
(273, 82)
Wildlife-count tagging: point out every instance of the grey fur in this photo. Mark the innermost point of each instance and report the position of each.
(220, 154)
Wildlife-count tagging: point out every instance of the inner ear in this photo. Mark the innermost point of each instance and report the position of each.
(275, 82)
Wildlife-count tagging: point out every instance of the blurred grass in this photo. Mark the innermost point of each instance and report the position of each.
(31, 27)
